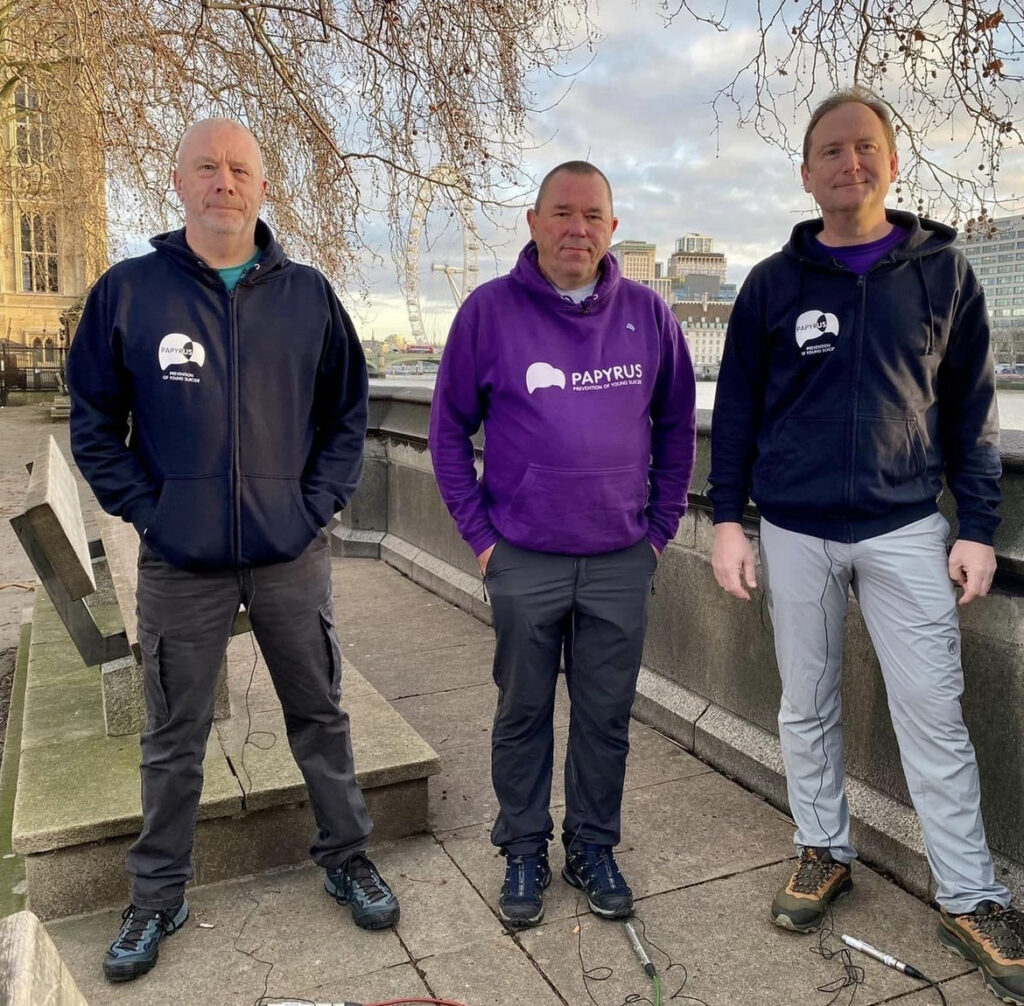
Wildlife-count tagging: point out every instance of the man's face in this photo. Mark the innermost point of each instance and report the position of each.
(572, 227)
(850, 166)
(219, 178)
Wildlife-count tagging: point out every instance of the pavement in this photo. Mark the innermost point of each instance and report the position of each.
(703, 855)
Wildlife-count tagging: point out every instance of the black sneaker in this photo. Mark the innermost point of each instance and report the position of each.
(593, 868)
(136, 948)
(993, 938)
(817, 881)
(357, 883)
(521, 902)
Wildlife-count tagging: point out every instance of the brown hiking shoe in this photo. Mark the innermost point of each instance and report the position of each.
(816, 882)
(993, 938)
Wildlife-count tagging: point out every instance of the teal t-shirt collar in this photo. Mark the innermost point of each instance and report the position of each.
(232, 275)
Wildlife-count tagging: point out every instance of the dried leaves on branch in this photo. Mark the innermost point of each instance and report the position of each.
(353, 101)
(950, 70)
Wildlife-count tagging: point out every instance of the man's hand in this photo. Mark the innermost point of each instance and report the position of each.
(972, 565)
(732, 559)
(485, 557)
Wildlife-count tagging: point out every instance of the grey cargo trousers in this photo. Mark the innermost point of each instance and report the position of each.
(184, 626)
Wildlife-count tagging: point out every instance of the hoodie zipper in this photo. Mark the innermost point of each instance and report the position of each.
(862, 289)
(236, 482)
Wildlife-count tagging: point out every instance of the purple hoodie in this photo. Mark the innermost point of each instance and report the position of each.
(588, 415)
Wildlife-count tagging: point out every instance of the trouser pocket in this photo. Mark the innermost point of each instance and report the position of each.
(333, 649)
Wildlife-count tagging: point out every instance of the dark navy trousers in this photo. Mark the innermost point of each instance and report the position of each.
(594, 609)
(184, 626)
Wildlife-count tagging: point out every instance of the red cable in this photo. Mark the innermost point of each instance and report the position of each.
(396, 1002)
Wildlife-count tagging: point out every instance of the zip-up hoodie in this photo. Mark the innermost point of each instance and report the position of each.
(843, 399)
(587, 409)
(248, 409)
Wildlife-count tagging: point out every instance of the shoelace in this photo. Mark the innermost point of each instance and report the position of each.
(1000, 927)
(599, 860)
(517, 876)
(812, 873)
(363, 874)
(136, 920)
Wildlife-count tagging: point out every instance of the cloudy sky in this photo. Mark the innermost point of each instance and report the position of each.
(641, 111)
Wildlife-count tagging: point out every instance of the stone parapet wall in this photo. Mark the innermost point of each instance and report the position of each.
(710, 679)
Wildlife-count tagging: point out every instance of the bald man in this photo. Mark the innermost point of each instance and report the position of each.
(246, 388)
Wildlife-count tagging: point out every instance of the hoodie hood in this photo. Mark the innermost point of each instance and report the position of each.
(173, 244)
(527, 273)
(925, 237)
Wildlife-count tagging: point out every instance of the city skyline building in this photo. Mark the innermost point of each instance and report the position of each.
(636, 259)
(997, 258)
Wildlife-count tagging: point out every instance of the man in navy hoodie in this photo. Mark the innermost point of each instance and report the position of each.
(246, 388)
(857, 372)
(584, 387)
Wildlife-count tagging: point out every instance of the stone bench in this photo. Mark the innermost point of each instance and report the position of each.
(31, 970)
(77, 803)
(52, 531)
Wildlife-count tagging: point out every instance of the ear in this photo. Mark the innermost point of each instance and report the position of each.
(805, 176)
(176, 182)
(894, 166)
(615, 223)
(531, 220)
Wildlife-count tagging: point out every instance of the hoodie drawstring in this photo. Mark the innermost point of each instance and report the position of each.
(930, 343)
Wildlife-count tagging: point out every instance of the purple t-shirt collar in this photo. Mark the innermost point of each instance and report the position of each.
(860, 258)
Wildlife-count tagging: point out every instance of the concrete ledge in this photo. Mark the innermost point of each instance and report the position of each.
(31, 971)
(12, 866)
(886, 832)
(439, 577)
(77, 806)
(349, 543)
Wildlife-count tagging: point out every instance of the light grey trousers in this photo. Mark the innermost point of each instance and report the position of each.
(909, 607)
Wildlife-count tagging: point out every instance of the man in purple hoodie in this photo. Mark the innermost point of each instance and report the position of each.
(585, 389)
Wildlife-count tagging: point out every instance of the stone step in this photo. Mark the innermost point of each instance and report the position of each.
(77, 806)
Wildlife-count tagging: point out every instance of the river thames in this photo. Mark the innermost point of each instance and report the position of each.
(1011, 400)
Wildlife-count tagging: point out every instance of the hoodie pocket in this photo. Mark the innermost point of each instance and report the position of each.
(191, 527)
(276, 525)
(891, 460)
(555, 509)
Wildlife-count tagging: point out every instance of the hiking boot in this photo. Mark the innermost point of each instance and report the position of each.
(521, 902)
(993, 938)
(136, 948)
(593, 869)
(357, 883)
(817, 881)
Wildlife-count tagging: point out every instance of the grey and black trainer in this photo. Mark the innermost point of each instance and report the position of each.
(136, 948)
(817, 881)
(993, 938)
(357, 883)
(593, 869)
(521, 902)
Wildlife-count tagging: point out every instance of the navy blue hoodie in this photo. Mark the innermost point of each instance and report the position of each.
(248, 408)
(842, 399)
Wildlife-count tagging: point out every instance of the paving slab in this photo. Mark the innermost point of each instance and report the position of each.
(401, 981)
(441, 911)
(284, 919)
(490, 973)
(721, 932)
(428, 668)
